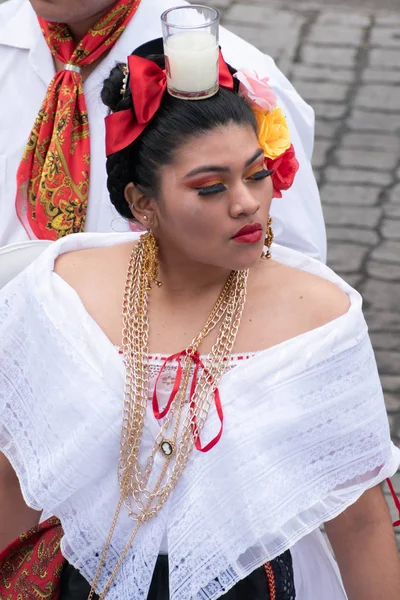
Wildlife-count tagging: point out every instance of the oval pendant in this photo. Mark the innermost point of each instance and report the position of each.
(167, 448)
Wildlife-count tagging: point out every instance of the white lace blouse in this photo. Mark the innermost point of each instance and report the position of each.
(305, 434)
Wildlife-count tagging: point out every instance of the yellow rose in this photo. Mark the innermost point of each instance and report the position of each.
(273, 132)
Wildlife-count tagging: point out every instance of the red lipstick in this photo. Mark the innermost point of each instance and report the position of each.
(249, 234)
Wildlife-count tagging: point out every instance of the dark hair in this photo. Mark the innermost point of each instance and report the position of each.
(174, 123)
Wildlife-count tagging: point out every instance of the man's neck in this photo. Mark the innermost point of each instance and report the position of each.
(80, 29)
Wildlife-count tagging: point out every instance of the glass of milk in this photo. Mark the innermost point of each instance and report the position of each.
(190, 35)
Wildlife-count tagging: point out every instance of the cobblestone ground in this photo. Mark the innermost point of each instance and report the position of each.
(346, 64)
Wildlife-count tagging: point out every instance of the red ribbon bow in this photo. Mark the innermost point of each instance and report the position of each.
(159, 414)
(148, 83)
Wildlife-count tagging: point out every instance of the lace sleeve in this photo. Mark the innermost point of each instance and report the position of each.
(53, 403)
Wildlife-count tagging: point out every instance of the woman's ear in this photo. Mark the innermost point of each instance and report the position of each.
(140, 204)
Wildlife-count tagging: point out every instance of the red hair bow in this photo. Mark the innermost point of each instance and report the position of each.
(148, 83)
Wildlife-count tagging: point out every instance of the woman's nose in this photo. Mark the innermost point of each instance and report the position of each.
(243, 202)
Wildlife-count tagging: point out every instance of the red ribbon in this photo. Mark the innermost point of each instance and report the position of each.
(148, 83)
(395, 499)
(159, 414)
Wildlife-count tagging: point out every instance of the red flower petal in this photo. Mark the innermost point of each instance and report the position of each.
(285, 168)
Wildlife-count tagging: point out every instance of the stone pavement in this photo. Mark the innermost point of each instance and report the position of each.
(346, 64)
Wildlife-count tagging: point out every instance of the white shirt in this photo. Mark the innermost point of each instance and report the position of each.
(26, 69)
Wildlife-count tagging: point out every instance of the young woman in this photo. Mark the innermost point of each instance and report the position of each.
(191, 442)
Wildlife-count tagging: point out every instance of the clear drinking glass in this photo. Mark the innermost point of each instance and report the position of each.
(190, 35)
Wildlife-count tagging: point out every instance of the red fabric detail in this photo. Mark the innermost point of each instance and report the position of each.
(395, 499)
(225, 77)
(31, 566)
(53, 176)
(215, 440)
(159, 414)
(121, 130)
(148, 83)
(285, 168)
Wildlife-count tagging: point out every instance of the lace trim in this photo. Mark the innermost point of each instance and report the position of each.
(283, 578)
(161, 358)
(166, 382)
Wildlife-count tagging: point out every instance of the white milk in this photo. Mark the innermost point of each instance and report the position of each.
(193, 61)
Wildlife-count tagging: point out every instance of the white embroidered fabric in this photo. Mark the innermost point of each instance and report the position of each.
(305, 434)
(165, 381)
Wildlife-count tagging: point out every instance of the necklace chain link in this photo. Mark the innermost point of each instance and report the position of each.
(180, 431)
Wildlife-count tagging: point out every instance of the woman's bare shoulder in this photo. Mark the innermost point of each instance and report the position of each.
(98, 276)
(293, 301)
(326, 300)
(90, 267)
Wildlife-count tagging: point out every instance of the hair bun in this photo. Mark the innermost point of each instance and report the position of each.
(111, 93)
(152, 47)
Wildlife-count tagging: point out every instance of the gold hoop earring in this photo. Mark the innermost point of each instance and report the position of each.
(269, 238)
(150, 261)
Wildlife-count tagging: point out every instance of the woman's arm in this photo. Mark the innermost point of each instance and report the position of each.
(363, 541)
(15, 516)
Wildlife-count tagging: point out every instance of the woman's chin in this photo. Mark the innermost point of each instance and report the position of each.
(248, 259)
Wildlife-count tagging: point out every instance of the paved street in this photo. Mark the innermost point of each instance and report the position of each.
(346, 63)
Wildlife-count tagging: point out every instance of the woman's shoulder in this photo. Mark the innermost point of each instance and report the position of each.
(98, 276)
(306, 278)
(290, 301)
(85, 266)
(88, 259)
(317, 299)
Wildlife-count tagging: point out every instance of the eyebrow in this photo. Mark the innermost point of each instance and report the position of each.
(220, 169)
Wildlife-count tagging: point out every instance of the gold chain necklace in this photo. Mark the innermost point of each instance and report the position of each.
(175, 440)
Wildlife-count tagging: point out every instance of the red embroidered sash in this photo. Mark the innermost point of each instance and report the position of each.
(31, 566)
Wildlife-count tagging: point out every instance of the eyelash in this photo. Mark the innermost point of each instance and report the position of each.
(220, 187)
(211, 189)
(263, 174)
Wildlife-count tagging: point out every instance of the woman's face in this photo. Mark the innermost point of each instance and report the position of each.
(216, 185)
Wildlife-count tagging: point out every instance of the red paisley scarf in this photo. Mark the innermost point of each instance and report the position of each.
(53, 176)
(31, 566)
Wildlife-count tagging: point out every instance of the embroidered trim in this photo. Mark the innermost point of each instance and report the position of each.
(163, 358)
(271, 580)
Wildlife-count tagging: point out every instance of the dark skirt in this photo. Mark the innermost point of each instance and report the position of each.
(273, 581)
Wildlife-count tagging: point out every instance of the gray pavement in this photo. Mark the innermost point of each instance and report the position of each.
(344, 59)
